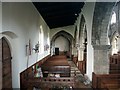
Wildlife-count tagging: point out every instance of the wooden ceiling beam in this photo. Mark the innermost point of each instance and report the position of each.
(58, 14)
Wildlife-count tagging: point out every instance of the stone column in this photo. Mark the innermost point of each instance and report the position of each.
(81, 53)
(101, 59)
(74, 51)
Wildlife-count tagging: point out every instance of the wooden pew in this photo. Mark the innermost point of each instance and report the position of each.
(75, 60)
(110, 84)
(59, 56)
(30, 81)
(105, 81)
(115, 64)
(50, 82)
(56, 65)
(29, 71)
(82, 66)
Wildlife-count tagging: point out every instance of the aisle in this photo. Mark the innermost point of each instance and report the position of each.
(74, 69)
(81, 81)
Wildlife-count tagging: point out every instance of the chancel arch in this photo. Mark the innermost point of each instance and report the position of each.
(66, 37)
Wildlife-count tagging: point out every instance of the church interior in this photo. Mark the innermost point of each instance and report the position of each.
(60, 45)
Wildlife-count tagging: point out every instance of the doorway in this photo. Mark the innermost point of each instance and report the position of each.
(6, 64)
(56, 51)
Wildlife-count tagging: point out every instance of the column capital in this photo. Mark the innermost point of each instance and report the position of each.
(81, 48)
(102, 47)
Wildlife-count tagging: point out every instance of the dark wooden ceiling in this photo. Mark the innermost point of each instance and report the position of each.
(59, 14)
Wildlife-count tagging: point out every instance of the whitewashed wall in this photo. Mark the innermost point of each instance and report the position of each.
(21, 22)
(69, 29)
(62, 43)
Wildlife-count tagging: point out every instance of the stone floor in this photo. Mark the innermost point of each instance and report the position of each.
(81, 81)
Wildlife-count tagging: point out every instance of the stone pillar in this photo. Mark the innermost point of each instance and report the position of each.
(101, 59)
(81, 54)
(74, 51)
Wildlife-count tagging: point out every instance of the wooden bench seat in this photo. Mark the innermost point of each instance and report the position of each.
(56, 65)
(110, 84)
(106, 81)
(115, 64)
(49, 82)
(59, 56)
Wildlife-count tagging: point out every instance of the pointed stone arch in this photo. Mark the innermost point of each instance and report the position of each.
(102, 14)
(10, 34)
(101, 18)
(64, 34)
(83, 31)
(115, 41)
(82, 49)
(11, 38)
(75, 36)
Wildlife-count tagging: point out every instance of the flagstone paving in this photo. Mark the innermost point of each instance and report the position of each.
(80, 79)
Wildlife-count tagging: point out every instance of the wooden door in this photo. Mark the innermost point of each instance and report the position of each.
(56, 51)
(6, 64)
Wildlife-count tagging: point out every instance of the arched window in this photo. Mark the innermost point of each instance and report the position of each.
(113, 19)
(48, 39)
(48, 42)
(41, 40)
(115, 45)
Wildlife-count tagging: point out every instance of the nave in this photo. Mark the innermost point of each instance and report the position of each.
(90, 37)
(54, 78)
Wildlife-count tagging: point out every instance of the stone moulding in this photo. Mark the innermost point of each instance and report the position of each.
(102, 47)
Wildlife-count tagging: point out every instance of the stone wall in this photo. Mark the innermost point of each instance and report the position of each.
(102, 15)
(101, 59)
